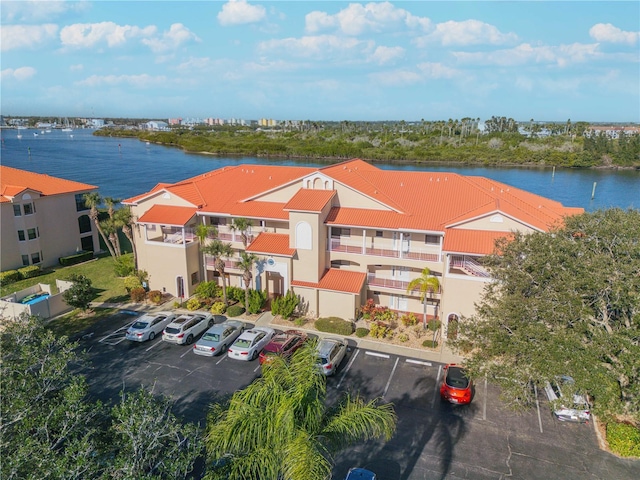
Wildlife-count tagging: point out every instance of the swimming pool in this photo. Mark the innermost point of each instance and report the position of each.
(34, 298)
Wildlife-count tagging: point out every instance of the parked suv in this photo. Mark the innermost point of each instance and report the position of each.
(330, 352)
(185, 328)
(568, 405)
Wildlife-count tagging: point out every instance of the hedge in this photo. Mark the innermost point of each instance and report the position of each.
(235, 311)
(624, 439)
(334, 325)
(30, 271)
(10, 276)
(75, 259)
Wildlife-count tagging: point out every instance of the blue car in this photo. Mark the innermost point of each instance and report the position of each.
(360, 474)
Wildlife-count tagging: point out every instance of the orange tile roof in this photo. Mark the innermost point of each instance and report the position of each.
(168, 215)
(480, 242)
(337, 280)
(14, 181)
(272, 244)
(308, 200)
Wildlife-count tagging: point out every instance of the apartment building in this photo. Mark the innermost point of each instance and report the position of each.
(43, 218)
(338, 235)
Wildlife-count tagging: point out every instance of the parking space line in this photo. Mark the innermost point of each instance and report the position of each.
(535, 390)
(419, 362)
(222, 357)
(154, 345)
(390, 377)
(376, 354)
(484, 401)
(115, 332)
(344, 373)
(257, 368)
(437, 390)
(186, 352)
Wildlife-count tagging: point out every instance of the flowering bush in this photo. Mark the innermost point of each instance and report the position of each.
(409, 320)
(193, 304)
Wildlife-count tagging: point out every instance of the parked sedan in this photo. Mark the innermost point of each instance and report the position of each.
(148, 326)
(285, 344)
(218, 338)
(360, 474)
(185, 328)
(330, 352)
(249, 344)
(568, 405)
(456, 386)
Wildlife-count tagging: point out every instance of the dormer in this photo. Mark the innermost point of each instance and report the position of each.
(317, 181)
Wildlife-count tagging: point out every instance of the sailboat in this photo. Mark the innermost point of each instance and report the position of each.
(66, 127)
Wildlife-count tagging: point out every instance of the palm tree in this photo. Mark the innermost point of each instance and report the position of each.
(92, 200)
(247, 260)
(241, 225)
(203, 232)
(124, 220)
(280, 426)
(219, 251)
(426, 284)
(110, 202)
(110, 229)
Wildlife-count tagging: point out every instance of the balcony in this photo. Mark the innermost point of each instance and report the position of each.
(171, 235)
(466, 265)
(228, 263)
(355, 246)
(393, 283)
(225, 234)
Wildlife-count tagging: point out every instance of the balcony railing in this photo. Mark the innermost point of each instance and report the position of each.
(173, 235)
(374, 281)
(355, 247)
(210, 263)
(467, 266)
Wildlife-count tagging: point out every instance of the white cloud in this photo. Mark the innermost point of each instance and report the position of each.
(27, 36)
(138, 81)
(177, 35)
(561, 55)
(437, 70)
(320, 46)
(239, 12)
(372, 17)
(384, 54)
(605, 32)
(22, 73)
(38, 10)
(468, 32)
(88, 35)
(396, 78)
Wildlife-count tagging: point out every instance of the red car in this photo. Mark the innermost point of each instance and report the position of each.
(456, 386)
(284, 344)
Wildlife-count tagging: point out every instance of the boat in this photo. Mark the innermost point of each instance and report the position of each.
(35, 134)
(67, 129)
(19, 136)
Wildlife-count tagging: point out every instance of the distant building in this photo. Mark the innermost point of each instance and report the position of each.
(156, 125)
(610, 131)
(43, 218)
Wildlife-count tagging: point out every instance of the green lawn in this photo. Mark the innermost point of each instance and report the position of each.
(108, 287)
(74, 322)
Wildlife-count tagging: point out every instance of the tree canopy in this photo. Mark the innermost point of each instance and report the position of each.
(566, 302)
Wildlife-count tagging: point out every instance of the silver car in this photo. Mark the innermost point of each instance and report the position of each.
(568, 405)
(148, 326)
(218, 338)
(184, 329)
(330, 352)
(249, 344)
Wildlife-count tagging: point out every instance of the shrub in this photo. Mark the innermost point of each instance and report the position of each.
(368, 308)
(177, 304)
(300, 321)
(362, 332)
(123, 266)
(430, 343)
(433, 325)
(75, 259)
(208, 290)
(380, 330)
(235, 311)
(132, 282)
(30, 271)
(334, 325)
(409, 320)
(235, 293)
(155, 296)
(286, 305)
(193, 304)
(80, 294)
(624, 439)
(218, 308)
(10, 276)
(256, 300)
(403, 337)
(452, 329)
(137, 294)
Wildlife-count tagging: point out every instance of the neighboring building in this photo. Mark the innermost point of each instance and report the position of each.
(338, 235)
(43, 218)
(612, 132)
(156, 125)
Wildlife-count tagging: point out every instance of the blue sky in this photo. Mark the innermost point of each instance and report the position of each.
(322, 60)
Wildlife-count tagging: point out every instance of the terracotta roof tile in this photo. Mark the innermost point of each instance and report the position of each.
(308, 200)
(480, 242)
(13, 181)
(337, 280)
(272, 244)
(168, 215)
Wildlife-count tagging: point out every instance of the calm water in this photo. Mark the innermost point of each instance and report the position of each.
(123, 168)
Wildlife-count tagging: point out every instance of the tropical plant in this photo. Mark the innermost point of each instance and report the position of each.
(241, 225)
(125, 221)
(280, 426)
(93, 200)
(426, 284)
(245, 264)
(256, 300)
(80, 294)
(204, 232)
(285, 305)
(219, 251)
(110, 202)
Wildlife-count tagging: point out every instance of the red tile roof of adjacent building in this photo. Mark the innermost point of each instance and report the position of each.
(337, 280)
(168, 215)
(14, 181)
(479, 242)
(272, 244)
(308, 200)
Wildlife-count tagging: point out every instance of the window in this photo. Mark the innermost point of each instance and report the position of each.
(378, 233)
(25, 260)
(84, 224)
(21, 236)
(194, 278)
(432, 239)
(81, 204)
(29, 209)
(87, 243)
(35, 258)
(340, 232)
(16, 210)
(32, 233)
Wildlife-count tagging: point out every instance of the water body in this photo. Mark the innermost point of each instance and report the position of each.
(123, 168)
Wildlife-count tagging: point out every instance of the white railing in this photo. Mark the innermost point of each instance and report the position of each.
(356, 247)
(469, 266)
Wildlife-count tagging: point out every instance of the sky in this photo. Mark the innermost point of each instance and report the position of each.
(322, 60)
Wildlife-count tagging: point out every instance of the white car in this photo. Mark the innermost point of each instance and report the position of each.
(330, 352)
(568, 405)
(218, 338)
(147, 326)
(184, 329)
(249, 344)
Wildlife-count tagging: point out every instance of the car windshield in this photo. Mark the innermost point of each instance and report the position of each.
(139, 325)
(212, 337)
(172, 330)
(242, 343)
(456, 378)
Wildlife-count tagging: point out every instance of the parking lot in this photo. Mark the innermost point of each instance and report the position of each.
(433, 439)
